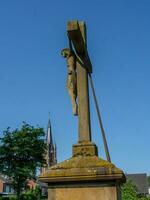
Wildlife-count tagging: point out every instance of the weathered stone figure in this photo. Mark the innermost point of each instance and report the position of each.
(71, 77)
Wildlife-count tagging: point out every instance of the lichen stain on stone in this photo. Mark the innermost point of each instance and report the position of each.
(82, 166)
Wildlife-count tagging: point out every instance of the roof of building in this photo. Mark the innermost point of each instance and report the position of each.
(140, 180)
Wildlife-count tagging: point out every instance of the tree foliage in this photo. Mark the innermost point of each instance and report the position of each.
(129, 191)
(21, 153)
(148, 179)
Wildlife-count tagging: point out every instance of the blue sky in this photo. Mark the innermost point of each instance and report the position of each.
(33, 74)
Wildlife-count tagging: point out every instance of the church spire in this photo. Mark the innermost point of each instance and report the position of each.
(51, 148)
(49, 138)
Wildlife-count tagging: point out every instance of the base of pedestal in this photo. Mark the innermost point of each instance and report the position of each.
(84, 193)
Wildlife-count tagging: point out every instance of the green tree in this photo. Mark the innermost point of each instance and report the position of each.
(148, 179)
(21, 153)
(129, 191)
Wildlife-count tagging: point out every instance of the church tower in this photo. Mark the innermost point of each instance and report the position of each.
(51, 157)
(51, 153)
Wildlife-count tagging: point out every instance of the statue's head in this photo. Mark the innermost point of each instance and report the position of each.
(66, 52)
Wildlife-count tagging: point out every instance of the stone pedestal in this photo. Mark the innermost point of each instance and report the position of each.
(81, 193)
(83, 177)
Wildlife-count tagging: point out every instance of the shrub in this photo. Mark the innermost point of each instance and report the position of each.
(12, 198)
(32, 194)
(8, 198)
(28, 196)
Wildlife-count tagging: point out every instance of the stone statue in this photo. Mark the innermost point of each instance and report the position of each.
(71, 77)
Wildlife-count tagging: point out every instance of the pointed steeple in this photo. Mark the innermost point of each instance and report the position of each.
(51, 148)
(51, 153)
(49, 138)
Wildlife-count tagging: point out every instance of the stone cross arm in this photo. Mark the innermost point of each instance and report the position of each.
(77, 34)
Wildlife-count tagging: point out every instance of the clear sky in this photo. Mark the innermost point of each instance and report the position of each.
(33, 74)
